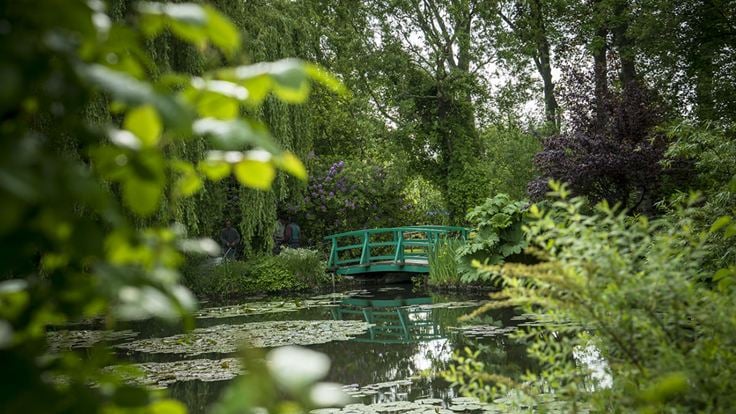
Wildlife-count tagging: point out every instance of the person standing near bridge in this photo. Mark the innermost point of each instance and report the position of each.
(229, 239)
(292, 235)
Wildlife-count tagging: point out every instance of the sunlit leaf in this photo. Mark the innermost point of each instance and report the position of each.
(234, 134)
(142, 196)
(215, 170)
(258, 88)
(144, 122)
(189, 181)
(291, 164)
(325, 78)
(255, 173)
(126, 89)
(222, 32)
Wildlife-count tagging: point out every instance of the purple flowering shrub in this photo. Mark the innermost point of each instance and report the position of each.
(344, 195)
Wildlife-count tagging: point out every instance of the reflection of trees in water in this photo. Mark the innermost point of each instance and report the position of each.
(369, 363)
(379, 360)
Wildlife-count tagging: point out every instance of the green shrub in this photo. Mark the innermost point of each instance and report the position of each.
(306, 265)
(497, 234)
(293, 270)
(630, 291)
(443, 268)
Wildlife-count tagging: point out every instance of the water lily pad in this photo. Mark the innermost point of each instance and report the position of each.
(61, 340)
(228, 338)
(452, 305)
(483, 331)
(162, 374)
(262, 308)
(429, 401)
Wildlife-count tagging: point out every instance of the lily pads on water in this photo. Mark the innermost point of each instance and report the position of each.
(61, 340)
(228, 338)
(454, 305)
(262, 308)
(163, 374)
(356, 391)
(483, 331)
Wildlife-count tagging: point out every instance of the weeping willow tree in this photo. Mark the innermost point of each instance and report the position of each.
(272, 30)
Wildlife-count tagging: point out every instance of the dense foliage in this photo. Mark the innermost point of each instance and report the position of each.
(630, 292)
(292, 270)
(496, 235)
(350, 195)
(92, 141)
(130, 130)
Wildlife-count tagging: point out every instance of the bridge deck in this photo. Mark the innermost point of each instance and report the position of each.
(396, 249)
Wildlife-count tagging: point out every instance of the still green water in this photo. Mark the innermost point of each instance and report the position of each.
(411, 338)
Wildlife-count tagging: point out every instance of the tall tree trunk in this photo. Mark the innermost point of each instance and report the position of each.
(543, 63)
(599, 46)
(623, 43)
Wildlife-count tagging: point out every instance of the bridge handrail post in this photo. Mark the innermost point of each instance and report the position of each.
(399, 254)
(332, 261)
(365, 253)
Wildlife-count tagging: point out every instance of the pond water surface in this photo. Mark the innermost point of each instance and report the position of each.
(386, 343)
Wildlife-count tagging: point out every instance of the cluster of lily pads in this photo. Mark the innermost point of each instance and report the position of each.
(453, 305)
(458, 405)
(483, 331)
(263, 308)
(74, 339)
(229, 338)
(162, 374)
(356, 391)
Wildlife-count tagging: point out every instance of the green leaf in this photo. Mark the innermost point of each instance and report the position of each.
(291, 164)
(142, 196)
(167, 407)
(234, 134)
(222, 32)
(188, 182)
(215, 170)
(193, 23)
(212, 105)
(128, 90)
(258, 88)
(721, 274)
(255, 173)
(720, 223)
(144, 122)
(325, 78)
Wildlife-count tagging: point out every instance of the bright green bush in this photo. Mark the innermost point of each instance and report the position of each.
(496, 235)
(292, 270)
(443, 266)
(305, 264)
(629, 290)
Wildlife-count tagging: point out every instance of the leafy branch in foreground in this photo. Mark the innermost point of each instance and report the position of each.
(78, 231)
(629, 291)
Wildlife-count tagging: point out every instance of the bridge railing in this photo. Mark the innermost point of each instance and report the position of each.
(394, 245)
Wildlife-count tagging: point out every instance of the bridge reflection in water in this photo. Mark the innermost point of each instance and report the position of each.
(394, 321)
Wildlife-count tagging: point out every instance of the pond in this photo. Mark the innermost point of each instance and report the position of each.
(387, 343)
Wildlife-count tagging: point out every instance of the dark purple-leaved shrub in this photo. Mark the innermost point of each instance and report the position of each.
(610, 149)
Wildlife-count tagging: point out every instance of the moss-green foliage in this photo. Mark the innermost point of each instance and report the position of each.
(712, 151)
(443, 265)
(630, 290)
(292, 270)
(509, 156)
(351, 194)
(102, 147)
(497, 234)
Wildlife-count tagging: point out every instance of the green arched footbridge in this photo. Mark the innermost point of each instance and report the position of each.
(394, 249)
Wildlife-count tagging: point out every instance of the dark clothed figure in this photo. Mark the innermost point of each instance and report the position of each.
(278, 235)
(229, 238)
(292, 234)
